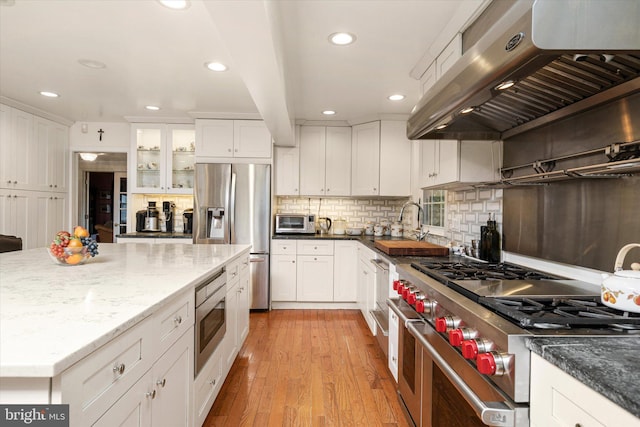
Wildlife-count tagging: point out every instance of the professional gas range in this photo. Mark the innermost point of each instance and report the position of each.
(473, 320)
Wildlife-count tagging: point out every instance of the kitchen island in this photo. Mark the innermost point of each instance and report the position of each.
(58, 322)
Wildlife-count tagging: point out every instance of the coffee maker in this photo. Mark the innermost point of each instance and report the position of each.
(151, 220)
(167, 210)
(188, 221)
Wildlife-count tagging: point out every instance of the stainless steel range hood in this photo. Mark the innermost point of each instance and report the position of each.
(563, 57)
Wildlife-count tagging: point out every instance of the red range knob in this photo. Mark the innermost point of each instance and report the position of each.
(408, 290)
(469, 349)
(441, 324)
(486, 363)
(411, 298)
(400, 288)
(420, 306)
(396, 283)
(455, 337)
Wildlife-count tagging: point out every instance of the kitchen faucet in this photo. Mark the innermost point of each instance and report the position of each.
(420, 235)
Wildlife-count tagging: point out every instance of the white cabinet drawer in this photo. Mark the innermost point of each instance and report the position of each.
(93, 384)
(206, 386)
(314, 247)
(283, 247)
(173, 320)
(233, 271)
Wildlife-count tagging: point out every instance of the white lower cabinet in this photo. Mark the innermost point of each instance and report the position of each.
(236, 309)
(314, 278)
(393, 344)
(283, 277)
(345, 271)
(559, 400)
(161, 398)
(207, 385)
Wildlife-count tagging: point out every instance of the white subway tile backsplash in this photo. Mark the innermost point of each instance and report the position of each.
(357, 212)
(477, 207)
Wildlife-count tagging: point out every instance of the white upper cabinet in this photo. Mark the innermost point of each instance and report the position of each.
(381, 159)
(325, 161)
(163, 159)
(33, 152)
(452, 163)
(232, 138)
(287, 171)
(395, 159)
(365, 160)
(449, 55)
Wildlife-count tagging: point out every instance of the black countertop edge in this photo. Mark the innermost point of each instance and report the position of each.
(156, 235)
(608, 365)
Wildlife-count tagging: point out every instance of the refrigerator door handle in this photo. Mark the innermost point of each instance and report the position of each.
(232, 208)
(257, 260)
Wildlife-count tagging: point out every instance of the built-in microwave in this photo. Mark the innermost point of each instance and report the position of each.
(295, 223)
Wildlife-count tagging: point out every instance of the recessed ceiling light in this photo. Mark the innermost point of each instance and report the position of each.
(396, 97)
(505, 85)
(442, 126)
(467, 110)
(328, 112)
(49, 94)
(152, 107)
(215, 66)
(175, 4)
(90, 63)
(90, 157)
(342, 39)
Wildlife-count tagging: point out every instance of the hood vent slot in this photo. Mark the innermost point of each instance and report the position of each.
(623, 159)
(557, 85)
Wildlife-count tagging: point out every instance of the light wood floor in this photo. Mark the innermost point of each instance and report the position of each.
(308, 368)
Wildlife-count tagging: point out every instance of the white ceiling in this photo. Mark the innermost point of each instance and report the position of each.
(156, 56)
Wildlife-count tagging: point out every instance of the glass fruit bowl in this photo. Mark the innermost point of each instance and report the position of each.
(71, 256)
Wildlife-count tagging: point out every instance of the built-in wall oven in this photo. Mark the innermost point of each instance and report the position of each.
(210, 317)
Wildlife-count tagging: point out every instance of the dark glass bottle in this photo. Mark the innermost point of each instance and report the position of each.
(485, 245)
(493, 239)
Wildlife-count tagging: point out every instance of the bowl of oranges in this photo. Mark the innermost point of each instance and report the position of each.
(73, 248)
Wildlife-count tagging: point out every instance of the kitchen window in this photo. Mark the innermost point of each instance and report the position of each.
(434, 207)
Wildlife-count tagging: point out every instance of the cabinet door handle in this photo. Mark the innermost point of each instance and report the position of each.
(119, 368)
(315, 259)
(151, 394)
(177, 320)
(212, 382)
(15, 182)
(295, 190)
(161, 382)
(229, 150)
(328, 189)
(293, 261)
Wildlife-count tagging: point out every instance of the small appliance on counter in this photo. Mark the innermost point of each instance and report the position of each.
(140, 219)
(187, 222)
(339, 226)
(151, 218)
(324, 225)
(168, 211)
(295, 224)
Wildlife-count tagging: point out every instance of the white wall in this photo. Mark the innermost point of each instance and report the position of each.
(115, 139)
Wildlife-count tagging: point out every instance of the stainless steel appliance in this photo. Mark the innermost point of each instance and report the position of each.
(233, 205)
(534, 65)
(295, 224)
(471, 321)
(187, 221)
(151, 218)
(210, 317)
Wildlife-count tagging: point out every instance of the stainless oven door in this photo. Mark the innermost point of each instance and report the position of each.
(210, 320)
(448, 400)
(409, 361)
(381, 312)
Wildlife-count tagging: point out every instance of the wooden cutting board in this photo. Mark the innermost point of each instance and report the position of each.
(410, 248)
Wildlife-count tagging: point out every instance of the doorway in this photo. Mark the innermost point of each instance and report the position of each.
(102, 195)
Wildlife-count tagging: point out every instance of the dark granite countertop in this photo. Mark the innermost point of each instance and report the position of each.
(156, 235)
(609, 366)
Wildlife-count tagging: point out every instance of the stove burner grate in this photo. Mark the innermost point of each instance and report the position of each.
(473, 270)
(548, 313)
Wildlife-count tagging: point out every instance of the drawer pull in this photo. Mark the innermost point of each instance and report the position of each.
(212, 382)
(161, 382)
(119, 368)
(151, 394)
(177, 320)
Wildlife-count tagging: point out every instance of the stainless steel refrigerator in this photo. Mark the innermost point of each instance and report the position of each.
(233, 205)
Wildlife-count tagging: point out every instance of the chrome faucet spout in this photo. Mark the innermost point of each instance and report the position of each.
(409, 204)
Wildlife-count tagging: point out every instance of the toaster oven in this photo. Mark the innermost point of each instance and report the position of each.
(295, 224)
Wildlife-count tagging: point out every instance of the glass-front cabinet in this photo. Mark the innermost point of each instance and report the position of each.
(164, 158)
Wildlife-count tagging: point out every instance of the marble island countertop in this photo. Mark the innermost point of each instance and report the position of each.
(51, 315)
(155, 235)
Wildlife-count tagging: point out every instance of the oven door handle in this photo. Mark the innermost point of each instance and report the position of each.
(491, 413)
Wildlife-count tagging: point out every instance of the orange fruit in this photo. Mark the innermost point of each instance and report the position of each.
(74, 259)
(80, 231)
(75, 243)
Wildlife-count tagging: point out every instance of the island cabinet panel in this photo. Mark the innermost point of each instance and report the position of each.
(560, 400)
(207, 385)
(131, 410)
(94, 384)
